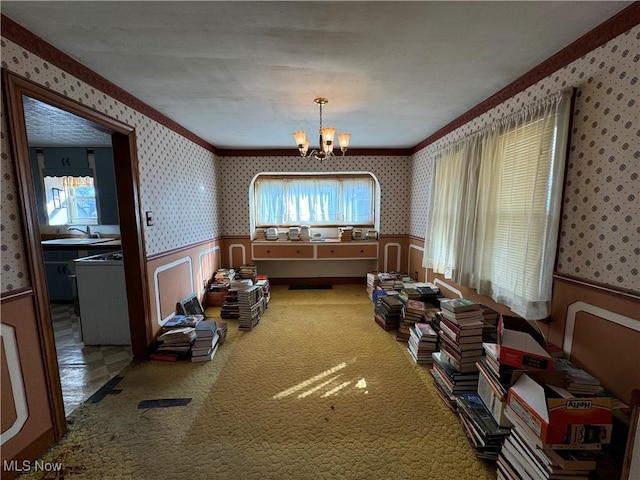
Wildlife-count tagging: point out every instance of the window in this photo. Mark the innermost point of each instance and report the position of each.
(71, 200)
(495, 208)
(315, 200)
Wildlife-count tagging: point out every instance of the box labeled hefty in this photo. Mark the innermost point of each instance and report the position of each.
(557, 417)
(520, 345)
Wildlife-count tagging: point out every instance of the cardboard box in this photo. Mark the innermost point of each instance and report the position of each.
(215, 299)
(492, 399)
(554, 415)
(520, 345)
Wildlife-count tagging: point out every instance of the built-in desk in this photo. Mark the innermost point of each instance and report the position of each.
(329, 258)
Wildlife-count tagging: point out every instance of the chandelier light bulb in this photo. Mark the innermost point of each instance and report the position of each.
(326, 141)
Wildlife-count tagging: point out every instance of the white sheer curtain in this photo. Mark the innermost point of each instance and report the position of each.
(314, 201)
(495, 208)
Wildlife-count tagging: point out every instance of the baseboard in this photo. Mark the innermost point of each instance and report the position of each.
(319, 281)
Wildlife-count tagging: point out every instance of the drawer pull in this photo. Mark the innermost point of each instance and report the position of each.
(331, 251)
(297, 251)
(268, 251)
(361, 251)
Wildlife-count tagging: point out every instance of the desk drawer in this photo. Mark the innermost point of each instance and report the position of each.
(266, 252)
(348, 251)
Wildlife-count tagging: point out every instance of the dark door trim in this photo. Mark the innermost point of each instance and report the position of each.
(132, 234)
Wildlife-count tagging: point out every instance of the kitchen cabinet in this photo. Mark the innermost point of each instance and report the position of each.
(61, 157)
(59, 270)
(58, 266)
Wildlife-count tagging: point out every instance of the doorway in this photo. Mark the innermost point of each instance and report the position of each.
(74, 184)
(123, 142)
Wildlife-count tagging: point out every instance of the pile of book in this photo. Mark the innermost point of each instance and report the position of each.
(230, 307)
(484, 434)
(423, 341)
(175, 342)
(413, 311)
(272, 234)
(248, 271)
(518, 455)
(372, 282)
(388, 311)
(345, 234)
(564, 444)
(180, 321)
(224, 275)
(222, 329)
(490, 320)
(449, 381)
(260, 234)
(206, 343)
(577, 380)
(461, 333)
(263, 282)
(428, 293)
(250, 307)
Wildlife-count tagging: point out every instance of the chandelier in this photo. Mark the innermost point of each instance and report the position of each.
(326, 142)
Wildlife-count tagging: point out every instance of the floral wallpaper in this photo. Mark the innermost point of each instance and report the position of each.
(196, 196)
(392, 172)
(600, 227)
(177, 177)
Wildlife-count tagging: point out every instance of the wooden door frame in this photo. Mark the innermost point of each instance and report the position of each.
(131, 228)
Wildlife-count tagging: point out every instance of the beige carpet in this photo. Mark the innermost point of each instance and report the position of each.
(317, 390)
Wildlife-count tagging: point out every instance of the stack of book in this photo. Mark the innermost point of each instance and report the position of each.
(345, 234)
(260, 234)
(180, 321)
(577, 380)
(428, 293)
(390, 281)
(176, 341)
(248, 271)
(372, 283)
(493, 383)
(409, 292)
(484, 434)
(413, 311)
(206, 343)
(263, 282)
(294, 233)
(521, 459)
(221, 328)
(230, 307)
(450, 381)
(461, 343)
(490, 320)
(224, 275)
(422, 343)
(250, 307)
(388, 311)
(272, 234)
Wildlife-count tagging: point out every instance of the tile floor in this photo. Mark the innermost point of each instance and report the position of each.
(83, 370)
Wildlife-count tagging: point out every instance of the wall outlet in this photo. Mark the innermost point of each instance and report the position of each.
(150, 218)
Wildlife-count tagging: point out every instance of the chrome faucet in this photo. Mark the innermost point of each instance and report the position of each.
(87, 232)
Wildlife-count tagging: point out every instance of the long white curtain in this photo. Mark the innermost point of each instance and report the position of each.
(314, 201)
(495, 208)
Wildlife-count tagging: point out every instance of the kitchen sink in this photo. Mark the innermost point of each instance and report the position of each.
(75, 241)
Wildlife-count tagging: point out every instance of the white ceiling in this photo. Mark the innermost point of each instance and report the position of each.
(244, 74)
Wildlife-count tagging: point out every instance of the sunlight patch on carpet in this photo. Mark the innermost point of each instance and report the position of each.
(308, 382)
